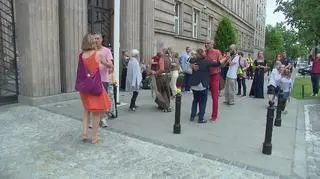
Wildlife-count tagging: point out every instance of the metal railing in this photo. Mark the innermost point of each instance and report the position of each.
(9, 82)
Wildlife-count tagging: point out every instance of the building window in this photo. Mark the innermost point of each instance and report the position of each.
(177, 8)
(210, 22)
(195, 22)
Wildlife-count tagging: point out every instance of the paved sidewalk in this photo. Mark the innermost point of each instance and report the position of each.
(39, 144)
(236, 138)
(312, 122)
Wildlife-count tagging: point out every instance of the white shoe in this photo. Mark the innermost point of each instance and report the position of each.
(90, 124)
(104, 122)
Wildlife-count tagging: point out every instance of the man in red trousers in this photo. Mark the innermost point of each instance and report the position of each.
(213, 55)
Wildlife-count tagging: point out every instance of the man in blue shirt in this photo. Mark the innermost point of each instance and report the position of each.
(184, 63)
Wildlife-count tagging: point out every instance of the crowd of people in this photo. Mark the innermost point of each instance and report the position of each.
(204, 70)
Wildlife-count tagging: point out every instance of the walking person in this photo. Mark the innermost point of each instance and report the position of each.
(233, 61)
(124, 60)
(241, 78)
(92, 101)
(200, 83)
(257, 86)
(184, 63)
(315, 75)
(215, 56)
(134, 78)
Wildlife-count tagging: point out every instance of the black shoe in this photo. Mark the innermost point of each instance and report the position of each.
(244, 95)
(238, 94)
(191, 119)
(202, 121)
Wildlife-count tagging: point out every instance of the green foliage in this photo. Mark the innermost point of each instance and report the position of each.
(303, 15)
(274, 42)
(225, 35)
(279, 39)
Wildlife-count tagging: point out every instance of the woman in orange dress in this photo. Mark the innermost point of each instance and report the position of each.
(92, 103)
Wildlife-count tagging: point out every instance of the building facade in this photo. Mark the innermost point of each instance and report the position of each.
(49, 33)
(152, 25)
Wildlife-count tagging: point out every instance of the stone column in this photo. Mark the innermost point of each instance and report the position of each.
(37, 30)
(130, 24)
(73, 26)
(147, 30)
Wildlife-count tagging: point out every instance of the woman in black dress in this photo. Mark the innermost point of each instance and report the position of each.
(258, 80)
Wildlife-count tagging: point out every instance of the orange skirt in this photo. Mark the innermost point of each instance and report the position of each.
(93, 103)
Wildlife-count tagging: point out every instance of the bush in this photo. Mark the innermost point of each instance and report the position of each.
(225, 35)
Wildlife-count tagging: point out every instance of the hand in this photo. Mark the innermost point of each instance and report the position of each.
(195, 67)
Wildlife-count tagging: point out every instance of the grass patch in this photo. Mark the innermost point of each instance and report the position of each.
(296, 91)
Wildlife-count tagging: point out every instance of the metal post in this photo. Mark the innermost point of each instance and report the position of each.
(116, 42)
(115, 93)
(278, 120)
(302, 91)
(177, 126)
(267, 146)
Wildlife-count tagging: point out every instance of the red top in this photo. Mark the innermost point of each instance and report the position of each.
(316, 66)
(213, 55)
(154, 63)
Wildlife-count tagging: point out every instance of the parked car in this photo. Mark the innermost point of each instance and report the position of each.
(305, 69)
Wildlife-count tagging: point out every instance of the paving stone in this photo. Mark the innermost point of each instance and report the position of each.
(39, 144)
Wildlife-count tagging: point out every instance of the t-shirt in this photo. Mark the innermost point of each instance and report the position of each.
(233, 68)
(104, 71)
(285, 84)
(213, 55)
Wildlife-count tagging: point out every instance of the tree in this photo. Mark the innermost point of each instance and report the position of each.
(225, 35)
(274, 42)
(303, 15)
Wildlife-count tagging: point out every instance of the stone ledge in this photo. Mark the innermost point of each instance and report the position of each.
(37, 101)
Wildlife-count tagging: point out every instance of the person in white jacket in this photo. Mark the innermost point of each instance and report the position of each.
(134, 78)
(274, 80)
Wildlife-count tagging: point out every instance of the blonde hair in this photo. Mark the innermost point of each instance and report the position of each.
(88, 43)
(134, 53)
(193, 53)
(287, 73)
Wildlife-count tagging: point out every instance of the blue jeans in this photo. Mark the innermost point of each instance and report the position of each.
(199, 97)
(186, 82)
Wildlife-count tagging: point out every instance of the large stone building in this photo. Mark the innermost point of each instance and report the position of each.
(49, 33)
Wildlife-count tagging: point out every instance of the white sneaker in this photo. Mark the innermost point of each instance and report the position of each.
(90, 124)
(104, 122)
(316, 95)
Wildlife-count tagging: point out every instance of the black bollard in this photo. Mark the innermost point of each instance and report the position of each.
(115, 91)
(267, 146)
(302, 91)
(280, 108)
(177, 126)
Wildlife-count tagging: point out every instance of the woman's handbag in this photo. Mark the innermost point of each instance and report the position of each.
(189, 68)
(86, 82)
